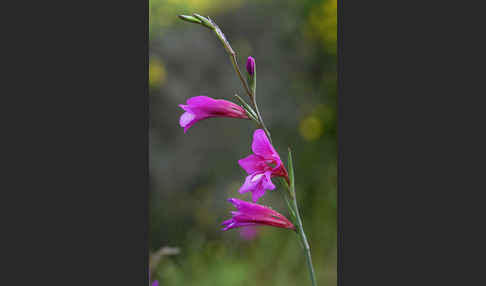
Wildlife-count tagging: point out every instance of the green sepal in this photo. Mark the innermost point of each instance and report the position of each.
(252, 80)
(249, 111)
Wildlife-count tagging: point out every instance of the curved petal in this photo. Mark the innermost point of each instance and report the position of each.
(249, 208)
(247, 186)
(258, 192)
(257, 184)
(201, 101)
(185, 107)
(253, 163)
(267, 182)
(186, 119)
(231, 223)
(262, 146)
(255, 214)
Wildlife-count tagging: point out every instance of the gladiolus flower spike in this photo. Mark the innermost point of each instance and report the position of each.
(202, 107)
(250, 214)
(261, 166)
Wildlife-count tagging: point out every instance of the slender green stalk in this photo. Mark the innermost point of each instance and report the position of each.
(305, 244)
(296, 213)
(237, 69)
(260, 119)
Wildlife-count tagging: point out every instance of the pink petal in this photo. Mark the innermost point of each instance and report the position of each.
(186, 118)
(251, 214)
(268, 181)
(185, 107)
(249, 208)
(261, 145)
(198, 101)
(265, 183)
(247, 186)
(257, 193)
(253, 163)
(257, 184)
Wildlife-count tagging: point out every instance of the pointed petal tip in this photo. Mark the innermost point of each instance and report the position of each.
(226, 222)
(256, 195)
(235, 201)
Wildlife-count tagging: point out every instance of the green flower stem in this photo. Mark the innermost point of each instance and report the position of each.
(305, 244)
(252, 81)
(237, 69)
(294, 209)
(260, 119)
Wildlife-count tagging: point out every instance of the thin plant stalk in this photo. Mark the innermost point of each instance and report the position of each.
(296, 213)
(260, 119)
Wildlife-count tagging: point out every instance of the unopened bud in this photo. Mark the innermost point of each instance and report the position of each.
(190, 19)
(204, 21)
(250, 66)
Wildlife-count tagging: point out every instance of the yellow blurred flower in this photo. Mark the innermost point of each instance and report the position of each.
(156, 73)
(323, 25)
(310, 128)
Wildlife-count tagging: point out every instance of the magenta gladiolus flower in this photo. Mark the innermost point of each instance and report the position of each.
(250, 214)
(202, 107)
(261, 166)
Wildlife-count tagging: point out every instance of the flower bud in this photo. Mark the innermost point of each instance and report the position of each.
(250, 66)
(206, 22)
(190, 19)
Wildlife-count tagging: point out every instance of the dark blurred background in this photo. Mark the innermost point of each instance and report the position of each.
(192, 175)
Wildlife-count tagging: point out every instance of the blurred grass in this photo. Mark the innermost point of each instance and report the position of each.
(192, 174)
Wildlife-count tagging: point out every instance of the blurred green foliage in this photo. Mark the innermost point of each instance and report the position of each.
(192, 175)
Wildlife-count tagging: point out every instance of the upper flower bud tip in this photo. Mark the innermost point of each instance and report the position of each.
(190, 19)
(250, 65)
(203, 20)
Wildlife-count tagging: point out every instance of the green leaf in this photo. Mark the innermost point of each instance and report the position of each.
(291, 175)
(289, 206)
